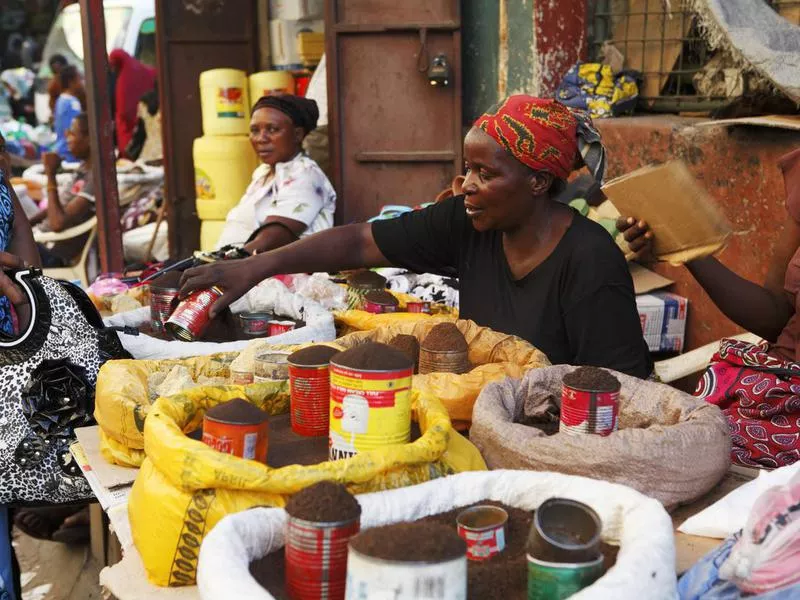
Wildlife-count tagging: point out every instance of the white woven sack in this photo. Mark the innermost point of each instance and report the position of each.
(645, 566)
(670, 445)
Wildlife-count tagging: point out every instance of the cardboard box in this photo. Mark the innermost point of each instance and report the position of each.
(292, 10)
(283, 39)
(686, 222)
(663, 318)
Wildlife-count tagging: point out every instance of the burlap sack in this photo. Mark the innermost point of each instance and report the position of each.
(670, 445)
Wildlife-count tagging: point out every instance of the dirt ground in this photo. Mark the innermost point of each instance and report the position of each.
(53, 571)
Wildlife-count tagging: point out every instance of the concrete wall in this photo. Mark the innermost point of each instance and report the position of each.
(738, 166)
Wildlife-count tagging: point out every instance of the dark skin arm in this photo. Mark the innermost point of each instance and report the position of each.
(337, 249)
(279, 232)
(60, 217)
(761, 309)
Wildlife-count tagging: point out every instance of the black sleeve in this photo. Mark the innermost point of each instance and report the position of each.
(424, 241)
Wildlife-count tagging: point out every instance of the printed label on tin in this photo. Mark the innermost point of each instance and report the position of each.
(369, 579)
(230, 103)
(368, 410)
(220, 444)
(483, 544)
(250, 440)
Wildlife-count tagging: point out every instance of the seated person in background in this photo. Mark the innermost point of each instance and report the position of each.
(77, 206)
(68, 106)
(289, 196)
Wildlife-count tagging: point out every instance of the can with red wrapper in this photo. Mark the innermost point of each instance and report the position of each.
(192, 316)
(589, 402)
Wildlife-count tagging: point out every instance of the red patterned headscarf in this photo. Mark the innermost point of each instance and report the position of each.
(545, 135)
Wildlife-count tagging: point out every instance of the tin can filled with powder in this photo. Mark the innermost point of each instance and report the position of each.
(191, 318)
(309, 385)
(380, 301)
(321, 521)
(370, 403)
(239, 428)
(358, 284)
(589, 402)
(563, 549)
(483, 528)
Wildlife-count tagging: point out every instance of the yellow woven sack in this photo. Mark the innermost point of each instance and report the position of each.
(184, 487)
(495, 356)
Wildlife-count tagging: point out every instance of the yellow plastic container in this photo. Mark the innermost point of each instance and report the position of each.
(213, 209)
(223, 168)
(266, 83)
(225, 101)
(210, 231)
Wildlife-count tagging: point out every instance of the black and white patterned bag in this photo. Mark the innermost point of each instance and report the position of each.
(47, 378)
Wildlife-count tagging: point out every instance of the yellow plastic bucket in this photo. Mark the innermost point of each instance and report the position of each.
(223, 167)
(267, 83)
(210, 231)
(225, 101)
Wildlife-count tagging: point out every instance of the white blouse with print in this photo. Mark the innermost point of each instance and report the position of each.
(299, 191)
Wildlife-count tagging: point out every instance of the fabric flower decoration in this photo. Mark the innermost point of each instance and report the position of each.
(57, 398)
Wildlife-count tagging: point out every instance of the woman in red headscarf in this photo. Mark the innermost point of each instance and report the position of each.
(527, 265)
(134, 79)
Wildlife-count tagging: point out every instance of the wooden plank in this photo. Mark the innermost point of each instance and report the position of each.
(411, 156)
(646, 24)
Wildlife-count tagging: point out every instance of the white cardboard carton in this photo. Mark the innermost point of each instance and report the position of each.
(663, 317)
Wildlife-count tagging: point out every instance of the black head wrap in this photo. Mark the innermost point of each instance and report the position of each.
(302, 111)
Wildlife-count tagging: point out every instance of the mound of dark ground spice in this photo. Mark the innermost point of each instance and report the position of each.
(444, 337)
(367, 279)
(410, 542)
(237, 412)
(324, 502)
(381, 297)
(503, 576)
(313, 356)
(408, 345)
(591, 379)
(168, 281)
(373, 356)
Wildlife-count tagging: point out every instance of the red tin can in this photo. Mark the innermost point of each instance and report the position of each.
(191, 317)
(483, 528)
(310, 399)
(378, 308)
(419, 307)
(245, 440)
(588, 412)
(255, 323)
(277, 327)
(162, 301)
(316, 558)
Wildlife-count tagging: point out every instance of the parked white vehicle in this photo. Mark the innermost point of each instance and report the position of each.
(130, 25)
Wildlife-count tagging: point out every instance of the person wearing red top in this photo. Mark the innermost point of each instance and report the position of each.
(134, 79)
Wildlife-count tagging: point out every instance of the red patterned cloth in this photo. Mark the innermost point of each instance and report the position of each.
(760, 396)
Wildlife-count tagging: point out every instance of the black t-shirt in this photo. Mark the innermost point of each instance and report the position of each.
(578, 306)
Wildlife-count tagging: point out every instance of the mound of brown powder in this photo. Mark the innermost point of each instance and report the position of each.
(410, 542)
(381, 297)
(324, 502)
(313, 356)
(367, 279)
(591, 379)
(408, 345)
(237, 412)
(373, 356)
(445, 337)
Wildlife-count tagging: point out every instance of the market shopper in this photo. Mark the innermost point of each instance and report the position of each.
(68, 106)
(133, 80)
(289, 196)
(57, 64)
(527, 265)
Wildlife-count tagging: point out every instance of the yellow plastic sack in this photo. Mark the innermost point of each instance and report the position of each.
(123, 399)
(184, 487)
(495, 356)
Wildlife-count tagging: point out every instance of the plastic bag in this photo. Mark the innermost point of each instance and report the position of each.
(670, 445)
(645, 566)
(184, 487)
(496, 355)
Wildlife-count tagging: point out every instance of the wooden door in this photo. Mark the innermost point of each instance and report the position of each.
(395, 138)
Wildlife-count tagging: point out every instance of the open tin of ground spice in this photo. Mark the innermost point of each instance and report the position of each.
(444, 350)
(589, 402)
(423, 306)
(310, 389)
(271, 366)
(255, 323)
(239, 428)
(563, 549)
(191, 317)
(483, 528)
(321, 520)
(163, 298)
(379, 302)
(370, 402)
(358, 284)
(407, 561)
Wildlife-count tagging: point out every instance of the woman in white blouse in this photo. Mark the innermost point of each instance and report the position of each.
(289, 197)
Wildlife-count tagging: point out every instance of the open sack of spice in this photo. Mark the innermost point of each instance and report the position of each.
(185, 487)
(652, 437)
(489, 356)
(644, 567)
(127, 389)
